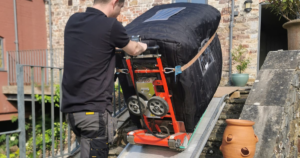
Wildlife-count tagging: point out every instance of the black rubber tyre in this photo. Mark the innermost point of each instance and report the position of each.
(132, 105)
(158, 106)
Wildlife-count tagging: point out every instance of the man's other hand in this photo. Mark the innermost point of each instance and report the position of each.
(135, 48)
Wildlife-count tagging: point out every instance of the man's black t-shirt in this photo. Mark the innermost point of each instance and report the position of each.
(89, 61)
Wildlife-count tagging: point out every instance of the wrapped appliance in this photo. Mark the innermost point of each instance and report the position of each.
(181, 30)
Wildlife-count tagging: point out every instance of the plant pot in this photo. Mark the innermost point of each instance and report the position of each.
(293, 29)
(239, 139)
(239, 79)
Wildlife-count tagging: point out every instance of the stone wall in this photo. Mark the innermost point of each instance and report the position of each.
(245, 32)
(134, 8)
(63, 9)
(273, 104)
(245, 29)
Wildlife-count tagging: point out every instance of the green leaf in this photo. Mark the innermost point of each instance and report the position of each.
(238, 56)
(14, 119)
(284, 7)
(27, 126)
(2, 138)
(2, 156)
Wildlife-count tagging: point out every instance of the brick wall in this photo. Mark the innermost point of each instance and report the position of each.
(245, 29)
(61, 11)
(31, 34)
(31, 24)
(245, 32)
(134, 8)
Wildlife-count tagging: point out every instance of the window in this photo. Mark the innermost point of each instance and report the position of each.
(1, 53)
(192, 1)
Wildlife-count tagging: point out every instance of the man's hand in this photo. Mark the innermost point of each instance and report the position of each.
(135, 48)
(143, 45)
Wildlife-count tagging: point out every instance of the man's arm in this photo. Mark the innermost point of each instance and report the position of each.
(120, 39)
(135, 48)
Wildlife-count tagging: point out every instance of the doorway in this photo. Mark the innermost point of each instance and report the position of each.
(273, 36)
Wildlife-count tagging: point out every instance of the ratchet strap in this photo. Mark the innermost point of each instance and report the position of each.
(179, 69)
(187, 65)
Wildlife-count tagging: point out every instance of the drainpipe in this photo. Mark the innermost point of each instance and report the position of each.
(50, 33)
(230, 40)
(16, 32)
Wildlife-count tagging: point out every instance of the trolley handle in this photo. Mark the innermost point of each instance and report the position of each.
(156, 47)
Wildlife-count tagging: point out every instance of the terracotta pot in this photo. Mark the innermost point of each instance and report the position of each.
(239, 139)
(293, 29)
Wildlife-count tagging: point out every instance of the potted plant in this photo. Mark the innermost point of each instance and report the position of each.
(240, 79)
(290, 10)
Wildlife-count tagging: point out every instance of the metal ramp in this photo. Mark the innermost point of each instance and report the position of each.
(196, 144)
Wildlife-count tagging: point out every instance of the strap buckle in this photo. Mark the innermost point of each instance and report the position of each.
(177, 71)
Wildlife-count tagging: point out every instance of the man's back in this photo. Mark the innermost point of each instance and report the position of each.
(89, 62)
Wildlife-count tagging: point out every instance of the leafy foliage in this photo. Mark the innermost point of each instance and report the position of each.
(13, 139)
(289, 9)
(48, 138)
(12, 155)
(238, 56)
(117, 89)
(47, 98)
(14, 119)
(39, 137)
(38, 131)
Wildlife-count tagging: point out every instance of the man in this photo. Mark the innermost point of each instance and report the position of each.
(89, 61)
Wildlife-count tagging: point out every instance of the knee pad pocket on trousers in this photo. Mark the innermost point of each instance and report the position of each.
(99, 148)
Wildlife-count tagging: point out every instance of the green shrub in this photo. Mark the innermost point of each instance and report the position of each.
(289, 9)
(238, 56)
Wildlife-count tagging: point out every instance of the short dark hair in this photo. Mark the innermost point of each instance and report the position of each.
(106, 1)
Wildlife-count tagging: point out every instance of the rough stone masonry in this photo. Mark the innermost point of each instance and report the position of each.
(245, 29)
(273, 104)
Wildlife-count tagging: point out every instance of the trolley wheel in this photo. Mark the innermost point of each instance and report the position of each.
(158, 106)
(133, 105)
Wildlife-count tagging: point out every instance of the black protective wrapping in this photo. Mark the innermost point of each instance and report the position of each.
(180, 37)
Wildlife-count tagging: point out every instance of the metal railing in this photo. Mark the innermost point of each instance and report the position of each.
(43, 57)
(65, 147)
(119, 104)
